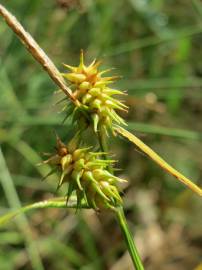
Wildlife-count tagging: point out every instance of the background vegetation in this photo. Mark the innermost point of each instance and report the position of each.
(156, 46)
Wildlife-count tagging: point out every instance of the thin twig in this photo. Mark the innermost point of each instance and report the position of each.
(36, 51)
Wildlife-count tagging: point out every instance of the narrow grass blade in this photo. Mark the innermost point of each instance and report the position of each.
(165, 131)
(22, 223)
(156, 158)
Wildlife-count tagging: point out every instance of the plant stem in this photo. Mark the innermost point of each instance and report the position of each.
(120, 214)
(129, 239)
(36, 51)
(102, 140)
(103, 145)
(59, 202)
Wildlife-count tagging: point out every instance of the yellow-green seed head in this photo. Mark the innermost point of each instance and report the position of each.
(94, 94)
(87, 175)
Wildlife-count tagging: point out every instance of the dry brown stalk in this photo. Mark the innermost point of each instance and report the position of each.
(36, 51)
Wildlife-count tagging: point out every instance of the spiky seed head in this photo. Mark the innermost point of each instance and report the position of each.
(92, 90)
(86, 174)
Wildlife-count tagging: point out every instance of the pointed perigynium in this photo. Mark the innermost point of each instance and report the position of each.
(87, 175)
(94, 95)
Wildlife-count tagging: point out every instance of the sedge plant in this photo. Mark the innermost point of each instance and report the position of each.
(88, 172)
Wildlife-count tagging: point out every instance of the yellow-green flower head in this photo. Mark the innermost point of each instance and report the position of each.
(92, 91)
(87, 175)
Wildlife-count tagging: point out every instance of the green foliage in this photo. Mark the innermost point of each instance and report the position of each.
(156, 46)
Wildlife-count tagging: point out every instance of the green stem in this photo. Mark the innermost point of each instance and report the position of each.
(120, 214)
(129, 239)
(103, 145)
(51, 203)
(102, 140)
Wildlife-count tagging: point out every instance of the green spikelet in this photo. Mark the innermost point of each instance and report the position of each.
(93, 92)
(86, 174)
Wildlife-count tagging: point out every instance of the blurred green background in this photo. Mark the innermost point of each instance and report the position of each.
(156, 46)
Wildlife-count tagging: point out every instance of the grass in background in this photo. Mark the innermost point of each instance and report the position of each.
(156, 45)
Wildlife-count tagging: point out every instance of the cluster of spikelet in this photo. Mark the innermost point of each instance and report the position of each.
(86, 174)
(94, 96)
